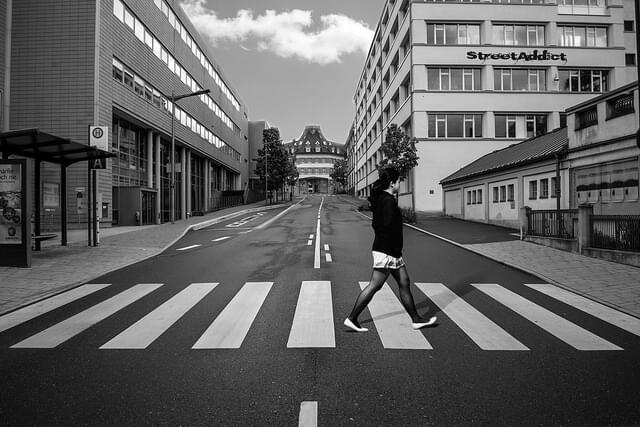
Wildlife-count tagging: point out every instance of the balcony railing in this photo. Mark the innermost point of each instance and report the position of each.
(553, 223)
(618, 232)
(582, 7)
(620, 106)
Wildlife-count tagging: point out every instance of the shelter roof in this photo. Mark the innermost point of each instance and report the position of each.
(528, 151)
(35, 144)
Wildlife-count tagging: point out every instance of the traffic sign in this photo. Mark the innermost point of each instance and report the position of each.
(98, 163)
(99, 137)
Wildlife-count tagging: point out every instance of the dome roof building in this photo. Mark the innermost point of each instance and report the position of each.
(315, 157)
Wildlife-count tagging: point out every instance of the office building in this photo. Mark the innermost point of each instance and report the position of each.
(467, 78)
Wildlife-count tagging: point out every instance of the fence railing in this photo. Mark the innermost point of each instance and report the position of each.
(553, 223)
(226, 199)
(618, 232)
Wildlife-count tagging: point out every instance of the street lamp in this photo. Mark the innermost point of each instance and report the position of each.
(175, 98)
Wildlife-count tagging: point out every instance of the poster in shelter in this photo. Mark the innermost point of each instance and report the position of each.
(11, 203)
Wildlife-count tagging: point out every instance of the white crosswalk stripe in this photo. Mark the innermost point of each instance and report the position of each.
(61, 332)
(141, 334)
(232, 325)
(313, 320)
(313, 324)
(32, 311)
(608, 314)
(477, 326)
(561, 328)
(393, 323)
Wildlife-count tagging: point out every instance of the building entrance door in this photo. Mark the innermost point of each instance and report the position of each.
(148, 213)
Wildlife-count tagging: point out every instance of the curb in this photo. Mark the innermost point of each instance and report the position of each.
(518, 267)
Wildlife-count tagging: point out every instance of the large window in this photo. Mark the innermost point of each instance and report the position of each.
(584, 80)
(505, 126)
(520, 79)
(452, 34)
(518, 35)
(536, 124)
(453, 79)
(130, 166)
(582, 36)
(455, 125)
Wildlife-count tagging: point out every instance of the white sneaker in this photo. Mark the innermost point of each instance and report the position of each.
(349, 324)
(423, 324)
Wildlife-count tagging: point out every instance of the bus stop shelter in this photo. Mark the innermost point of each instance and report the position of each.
(45, 147)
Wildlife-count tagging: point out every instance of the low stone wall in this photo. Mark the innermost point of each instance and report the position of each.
(622, 257)
(569, 245)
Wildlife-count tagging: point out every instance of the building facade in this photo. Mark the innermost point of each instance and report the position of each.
(467, 78)
(315, 157)
(117, 63)
(595, 160)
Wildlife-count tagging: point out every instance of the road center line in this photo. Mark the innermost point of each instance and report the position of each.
(308, 414)
(316, 262)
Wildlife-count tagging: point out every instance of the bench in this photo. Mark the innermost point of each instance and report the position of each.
(41, 237)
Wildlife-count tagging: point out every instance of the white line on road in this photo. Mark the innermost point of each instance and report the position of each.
(557, 326)
(308, 414)
(233, 323)
(609, 315)
(478, 327)
(34, 310)
(326, 247)
(61, 332)
(309, 242)
(327, 257)
(311, 236)
(221, 238)
(188, 247)
(313, 321)
(316, 262)
(146, 330)
(393, 323)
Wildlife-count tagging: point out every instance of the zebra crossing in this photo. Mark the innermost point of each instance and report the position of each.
(313, 324)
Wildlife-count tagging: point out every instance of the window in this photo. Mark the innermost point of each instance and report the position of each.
(533, 190)
(628, 25)
(118, 10)
(496, 196)
(536, 125)
(584, 80)
(505, 126)
(518, 35)
(138, 86)
(468, 197)
(620, 106)
(453, 79)
(555, 187)
(454, 125)
(630, 59)
(586, 118)
(473, 197)
(582, 36)
(520, 79)
(479, 197)
(118, 70)
(129, 19)
(503, 193)
(453, 34)
(307, 149)
(563, 120)
(544, 188)
(510, 193)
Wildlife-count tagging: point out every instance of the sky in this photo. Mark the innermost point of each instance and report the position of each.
(293, 62)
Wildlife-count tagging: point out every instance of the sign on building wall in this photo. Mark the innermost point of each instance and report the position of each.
(11, 203)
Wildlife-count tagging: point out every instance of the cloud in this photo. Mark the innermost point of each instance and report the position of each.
(288, 34)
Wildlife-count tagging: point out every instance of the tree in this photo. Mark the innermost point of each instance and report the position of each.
(399, 151)
(279, 164)
(340, 172)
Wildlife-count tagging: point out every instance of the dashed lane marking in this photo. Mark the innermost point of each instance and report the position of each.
(219, 239)
(188, 247)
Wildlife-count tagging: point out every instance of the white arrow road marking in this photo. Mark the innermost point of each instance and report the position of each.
(188, 247)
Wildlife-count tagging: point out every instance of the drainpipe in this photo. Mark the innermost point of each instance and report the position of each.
(636, 6)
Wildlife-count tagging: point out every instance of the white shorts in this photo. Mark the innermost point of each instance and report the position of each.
(381, 260)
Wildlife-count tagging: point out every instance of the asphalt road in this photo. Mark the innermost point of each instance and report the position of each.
(208, 367)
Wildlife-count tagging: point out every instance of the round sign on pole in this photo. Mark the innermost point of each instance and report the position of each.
(99, 137)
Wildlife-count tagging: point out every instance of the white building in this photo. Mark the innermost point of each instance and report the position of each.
(468, 78)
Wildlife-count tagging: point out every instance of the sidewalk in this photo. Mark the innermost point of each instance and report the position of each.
(56, 268)
(613, 284)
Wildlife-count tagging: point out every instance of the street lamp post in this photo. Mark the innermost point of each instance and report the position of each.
(172, 191)
(266, 175)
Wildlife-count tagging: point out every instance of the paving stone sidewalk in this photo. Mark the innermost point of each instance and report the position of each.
(57, 268)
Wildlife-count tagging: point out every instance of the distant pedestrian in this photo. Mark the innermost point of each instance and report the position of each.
(386, 251)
